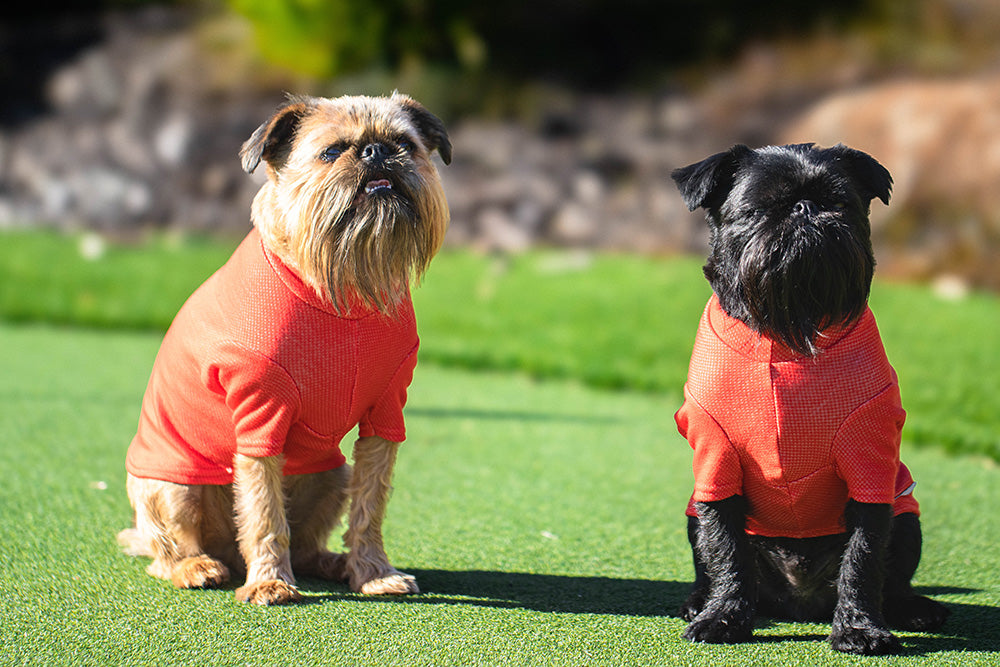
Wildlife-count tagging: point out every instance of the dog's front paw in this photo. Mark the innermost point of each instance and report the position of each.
(863, 640)
(393, 583)
(269, 592)
(721, 624)
(917, 613)
(199, 572)
(371, 574)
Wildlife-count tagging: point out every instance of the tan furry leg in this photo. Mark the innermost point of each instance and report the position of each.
(168, 528)
(218, 526)
(368, 567)
(315, 505)
(262, 531)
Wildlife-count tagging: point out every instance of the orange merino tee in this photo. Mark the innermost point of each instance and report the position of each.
(796, 436)
(256, 363)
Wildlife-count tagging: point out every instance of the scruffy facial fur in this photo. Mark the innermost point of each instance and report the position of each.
(353, 202)
(790, 240)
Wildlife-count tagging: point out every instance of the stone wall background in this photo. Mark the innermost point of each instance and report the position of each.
(139, 126)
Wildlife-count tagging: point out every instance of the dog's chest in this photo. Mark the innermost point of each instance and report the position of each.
(342, 366)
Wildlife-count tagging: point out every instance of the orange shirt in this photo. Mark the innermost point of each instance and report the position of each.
(796, 436)
(257, 363)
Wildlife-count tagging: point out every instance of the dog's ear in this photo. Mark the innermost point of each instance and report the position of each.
(430, 127)
(707, 183)
(272, 141)
(873, 180)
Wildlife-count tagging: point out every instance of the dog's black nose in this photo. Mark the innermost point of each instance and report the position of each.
(374, 152)
(806, 208)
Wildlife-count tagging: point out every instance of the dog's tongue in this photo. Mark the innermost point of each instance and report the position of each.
(379, 184)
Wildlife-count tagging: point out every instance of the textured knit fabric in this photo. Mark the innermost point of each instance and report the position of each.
(256, 363)
(796, 436)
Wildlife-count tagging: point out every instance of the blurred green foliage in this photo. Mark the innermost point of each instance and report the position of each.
(321, 38)
(586, 41)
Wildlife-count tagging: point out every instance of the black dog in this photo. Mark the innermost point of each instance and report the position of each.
(801, 507)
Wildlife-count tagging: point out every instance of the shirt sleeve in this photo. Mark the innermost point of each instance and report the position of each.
(262, 396)
(866, 448)
(717, 470)
(385, 418)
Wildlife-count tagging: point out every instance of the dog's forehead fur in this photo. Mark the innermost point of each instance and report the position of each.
(777, 174)
(355, 118)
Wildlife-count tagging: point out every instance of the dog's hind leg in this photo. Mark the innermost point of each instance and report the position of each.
(368, 567)
(316, 503)
(903, 608)
(168, 528)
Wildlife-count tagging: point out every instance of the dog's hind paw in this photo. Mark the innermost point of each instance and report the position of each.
(322, 565)
(134, 543)
(692, 606)
(917, 613)
(199, 572)
(718, 629)
(331, 566)
(394, 583)
(864, 641)
(269, 592)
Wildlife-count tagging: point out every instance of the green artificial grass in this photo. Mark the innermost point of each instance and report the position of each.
(84, 281)
(622, 322)
(544, 521)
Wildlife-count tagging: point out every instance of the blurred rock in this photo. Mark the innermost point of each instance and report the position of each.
(941, 142)
(144, 127)
(601, 179)
(133, 136)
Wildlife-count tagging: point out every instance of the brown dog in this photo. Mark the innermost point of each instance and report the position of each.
(305, 333)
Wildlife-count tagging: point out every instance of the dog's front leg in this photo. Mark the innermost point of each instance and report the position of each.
(858, 625)
(368, 567)
(262, 531)
(723, 548)
(699, 590)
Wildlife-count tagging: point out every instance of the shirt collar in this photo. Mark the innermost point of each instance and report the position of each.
(753, 345)
(356, 310)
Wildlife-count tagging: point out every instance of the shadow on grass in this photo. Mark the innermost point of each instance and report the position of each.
(537, 592)
(971, 627)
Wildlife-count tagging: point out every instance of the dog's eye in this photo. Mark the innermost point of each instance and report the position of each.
(331, 153)
(405, 145)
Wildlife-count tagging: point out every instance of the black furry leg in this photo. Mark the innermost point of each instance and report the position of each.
(858, 624)
(903, 608)
(699, 591)
(722, 546)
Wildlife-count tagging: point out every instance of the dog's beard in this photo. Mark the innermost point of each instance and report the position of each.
(803, 278)
(360, 247)
(370, 251)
